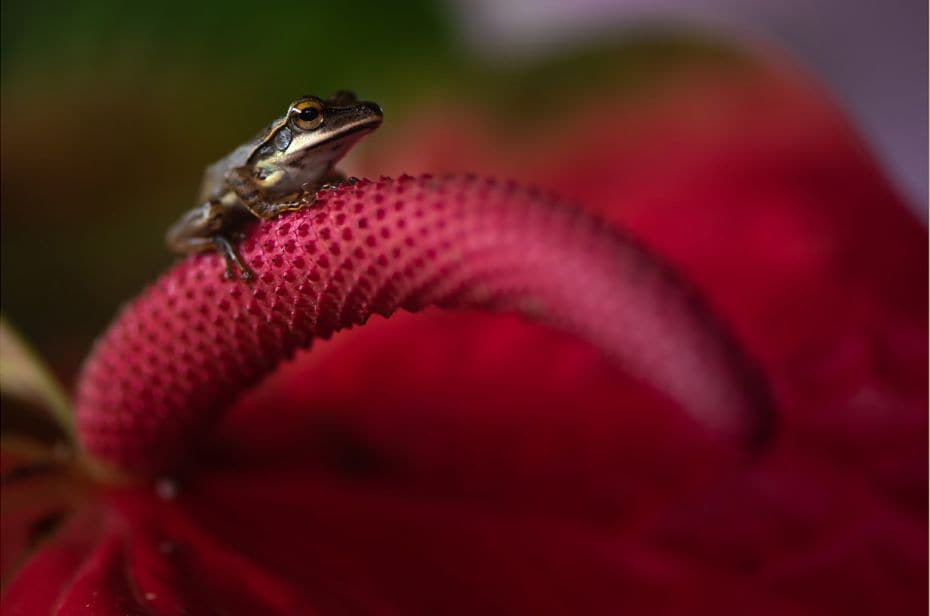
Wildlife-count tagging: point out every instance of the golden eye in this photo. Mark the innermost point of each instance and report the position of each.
(307, 114)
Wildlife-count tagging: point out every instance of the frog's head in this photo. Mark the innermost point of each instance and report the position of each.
(316, 133)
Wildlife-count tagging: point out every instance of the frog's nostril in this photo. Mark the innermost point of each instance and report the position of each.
(373, 109)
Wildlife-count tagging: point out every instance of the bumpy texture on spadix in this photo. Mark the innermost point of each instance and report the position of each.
(183, 350)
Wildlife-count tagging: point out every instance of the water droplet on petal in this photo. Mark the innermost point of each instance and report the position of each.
(167, 547)
(167, 488)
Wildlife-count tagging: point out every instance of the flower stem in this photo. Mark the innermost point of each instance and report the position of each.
(191, 343)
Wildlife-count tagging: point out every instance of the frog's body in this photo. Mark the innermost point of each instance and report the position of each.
(214, 177)
(279, 171)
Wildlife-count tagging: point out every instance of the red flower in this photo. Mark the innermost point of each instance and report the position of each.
(463, 462)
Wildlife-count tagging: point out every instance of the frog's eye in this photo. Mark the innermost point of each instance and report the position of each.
(307, 114)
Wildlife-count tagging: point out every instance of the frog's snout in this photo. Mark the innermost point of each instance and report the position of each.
(372, 111)
(373, 108)
(361, 118)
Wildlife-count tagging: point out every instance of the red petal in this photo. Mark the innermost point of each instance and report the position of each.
(368, 550)
(40, 583)
(470, 406)
(750, 181)
(101, 585)
(178, 567)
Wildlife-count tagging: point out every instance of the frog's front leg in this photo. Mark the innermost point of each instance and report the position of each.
(250, 190)
(210, 227)
(336, 179)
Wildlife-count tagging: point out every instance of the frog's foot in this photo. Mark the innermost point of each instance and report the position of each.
(268, 210)
(232, 259)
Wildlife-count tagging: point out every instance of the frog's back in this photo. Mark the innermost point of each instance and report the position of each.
(212, 184)
(215, 174)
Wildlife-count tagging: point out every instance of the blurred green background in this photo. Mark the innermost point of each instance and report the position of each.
(111, 111)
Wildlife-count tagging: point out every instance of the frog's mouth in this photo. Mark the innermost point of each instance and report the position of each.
(350, 135)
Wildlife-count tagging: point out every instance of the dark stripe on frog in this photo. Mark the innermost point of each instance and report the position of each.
(268, 140)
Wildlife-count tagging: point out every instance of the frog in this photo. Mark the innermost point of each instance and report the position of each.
(281, 170)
